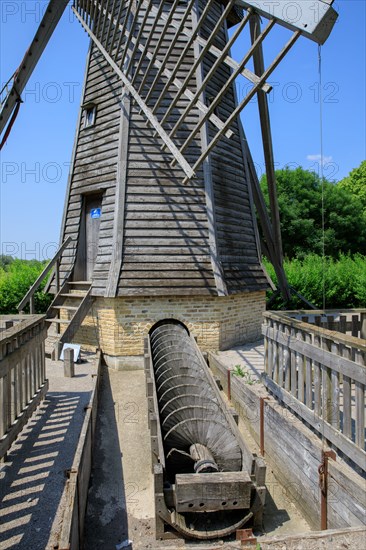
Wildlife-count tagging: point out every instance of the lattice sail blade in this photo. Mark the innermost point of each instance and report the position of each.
(159, 49)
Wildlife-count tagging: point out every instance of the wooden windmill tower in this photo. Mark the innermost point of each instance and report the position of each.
(161, 194)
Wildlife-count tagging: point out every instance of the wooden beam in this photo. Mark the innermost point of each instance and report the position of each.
(177, 35)
(118, 25)
(131, 29)
(105, 18)
(265, 222)
(208, 181)
(191, 35)
(99, 18)
(137, 39)
(259, 68)
(119, 211)
(44, 32)
(157, 13)
(216, 491)
(124, 26)
(77, 318)
(111, 19)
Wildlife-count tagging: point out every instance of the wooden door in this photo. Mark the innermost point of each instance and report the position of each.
(93, 212)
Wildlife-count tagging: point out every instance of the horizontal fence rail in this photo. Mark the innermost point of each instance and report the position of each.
(350, 321)
(23, 381)
(320, 373)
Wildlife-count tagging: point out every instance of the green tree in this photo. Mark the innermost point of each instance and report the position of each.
(301, 195)
(5, 260)
(355, 183)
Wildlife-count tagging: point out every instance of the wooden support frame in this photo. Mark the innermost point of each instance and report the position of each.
(138, 37)
(119, 213)
(131, 28)
(44, 32)
(157, 15)
(168, 74)
(192, 36)
(207, 176)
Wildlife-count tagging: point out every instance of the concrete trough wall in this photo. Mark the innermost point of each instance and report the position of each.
(294, 453)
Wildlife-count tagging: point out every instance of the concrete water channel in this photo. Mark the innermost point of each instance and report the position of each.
(37, 488)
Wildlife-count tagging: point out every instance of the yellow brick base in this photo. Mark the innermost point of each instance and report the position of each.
(119, 325)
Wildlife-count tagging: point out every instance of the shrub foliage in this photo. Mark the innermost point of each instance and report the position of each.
(16, 277)
(340, 282)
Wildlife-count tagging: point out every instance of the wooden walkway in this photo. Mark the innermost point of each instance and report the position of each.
(32, 479)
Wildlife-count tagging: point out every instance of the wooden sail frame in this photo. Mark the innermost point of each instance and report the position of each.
(121, 48)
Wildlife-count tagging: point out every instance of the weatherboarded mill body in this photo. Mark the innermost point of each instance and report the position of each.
(159, 203)
(151, 245)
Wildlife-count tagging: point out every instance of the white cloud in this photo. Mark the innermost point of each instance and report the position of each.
(318, 158)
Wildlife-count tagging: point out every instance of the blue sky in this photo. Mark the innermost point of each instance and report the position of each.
(35, 160)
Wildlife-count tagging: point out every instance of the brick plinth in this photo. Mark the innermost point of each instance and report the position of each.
(119, 325)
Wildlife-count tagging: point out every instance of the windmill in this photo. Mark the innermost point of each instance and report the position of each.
(159, 218)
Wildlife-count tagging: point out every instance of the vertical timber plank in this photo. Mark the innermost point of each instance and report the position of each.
(308, 377)
(335, 391)
(347, 398)
(360, 405)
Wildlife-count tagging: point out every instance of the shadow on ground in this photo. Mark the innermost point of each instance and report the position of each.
(106, 522)
(33, 476)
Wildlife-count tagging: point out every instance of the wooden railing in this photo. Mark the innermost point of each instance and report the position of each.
(350, 321)
(320, 374)
(23, 381)
(55, 262)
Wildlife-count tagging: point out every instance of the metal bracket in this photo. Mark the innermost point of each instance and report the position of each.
(323, 484)
(261, 424)
(246, 537)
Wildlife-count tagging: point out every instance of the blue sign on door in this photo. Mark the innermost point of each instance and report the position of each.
(95, 213)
